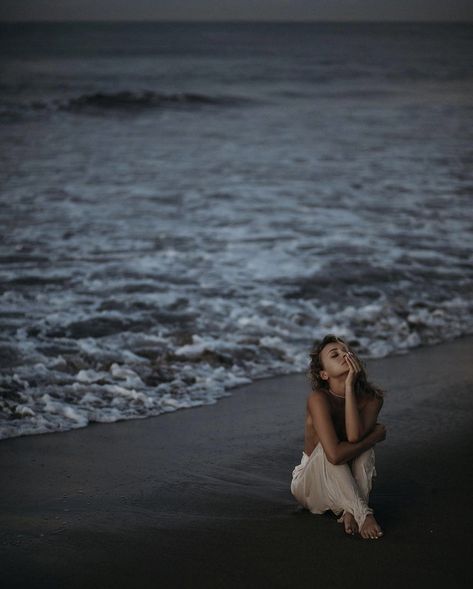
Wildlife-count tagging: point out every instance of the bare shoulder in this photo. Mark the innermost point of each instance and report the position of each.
(379, 402)
(372, 403)
(316, 397)
(376, 401)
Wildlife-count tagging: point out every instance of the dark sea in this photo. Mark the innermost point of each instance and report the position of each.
(187, 207)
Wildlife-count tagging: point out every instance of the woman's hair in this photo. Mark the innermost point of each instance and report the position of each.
(362, 387)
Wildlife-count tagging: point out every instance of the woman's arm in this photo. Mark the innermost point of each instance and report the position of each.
(337, 452)
(364, 421)
(353, 423)
(348, 450)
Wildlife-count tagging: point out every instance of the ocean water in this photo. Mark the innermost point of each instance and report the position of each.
(187, 207)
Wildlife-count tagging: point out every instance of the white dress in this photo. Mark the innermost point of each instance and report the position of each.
(319, 485)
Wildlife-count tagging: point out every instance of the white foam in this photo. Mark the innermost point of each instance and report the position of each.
(206, 285)
(91, 375)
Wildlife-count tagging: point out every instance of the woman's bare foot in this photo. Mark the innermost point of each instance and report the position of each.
(351, 527)
(370, 528)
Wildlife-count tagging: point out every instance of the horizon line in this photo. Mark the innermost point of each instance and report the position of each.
(236, 21)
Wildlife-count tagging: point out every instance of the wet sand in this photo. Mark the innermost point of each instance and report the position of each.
(201, 498)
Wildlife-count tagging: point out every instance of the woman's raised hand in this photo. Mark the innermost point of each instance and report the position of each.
(354, 369)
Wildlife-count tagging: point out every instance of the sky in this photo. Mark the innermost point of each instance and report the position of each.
(218, 10)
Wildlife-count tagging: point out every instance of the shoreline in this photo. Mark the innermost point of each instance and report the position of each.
(202, 496)
(230, 392)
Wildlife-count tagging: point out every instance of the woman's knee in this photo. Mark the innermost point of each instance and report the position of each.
(321, 455)
(366, 457)
(363, 463)
(337, 470)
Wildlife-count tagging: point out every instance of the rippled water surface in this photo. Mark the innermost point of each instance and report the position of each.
(186, 209)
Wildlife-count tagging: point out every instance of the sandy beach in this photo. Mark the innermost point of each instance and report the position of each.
(201, 497)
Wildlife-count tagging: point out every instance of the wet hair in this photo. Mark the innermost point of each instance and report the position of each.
(362, 387)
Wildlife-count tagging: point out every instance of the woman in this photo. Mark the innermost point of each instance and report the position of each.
(341, 429)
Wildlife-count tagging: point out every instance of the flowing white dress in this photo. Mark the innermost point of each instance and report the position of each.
(319, 485)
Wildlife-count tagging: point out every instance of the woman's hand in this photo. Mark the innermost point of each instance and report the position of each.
(354, 369)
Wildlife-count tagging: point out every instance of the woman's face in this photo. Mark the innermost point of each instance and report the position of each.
(333, 360)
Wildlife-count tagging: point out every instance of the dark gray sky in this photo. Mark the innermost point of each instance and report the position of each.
(340, 10)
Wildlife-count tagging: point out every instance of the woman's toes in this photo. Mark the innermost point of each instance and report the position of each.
(371, 529)
(350, 524)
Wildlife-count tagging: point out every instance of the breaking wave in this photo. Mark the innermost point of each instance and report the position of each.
(124, 102)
